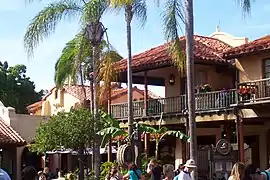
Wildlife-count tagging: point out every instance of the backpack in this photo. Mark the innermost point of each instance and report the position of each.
(266, 172)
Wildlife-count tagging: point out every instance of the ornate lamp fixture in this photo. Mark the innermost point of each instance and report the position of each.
(172, 79)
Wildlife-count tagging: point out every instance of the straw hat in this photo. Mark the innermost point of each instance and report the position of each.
(190, 164)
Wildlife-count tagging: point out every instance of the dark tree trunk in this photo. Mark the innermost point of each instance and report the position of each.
(128, 14)
(96, 150)
(190, 82)
(81, 164)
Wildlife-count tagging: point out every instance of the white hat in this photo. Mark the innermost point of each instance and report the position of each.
(190, 164)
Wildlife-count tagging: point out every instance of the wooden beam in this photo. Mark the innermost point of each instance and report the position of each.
(155, 81)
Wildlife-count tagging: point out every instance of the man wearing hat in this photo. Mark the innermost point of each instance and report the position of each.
(188, 168)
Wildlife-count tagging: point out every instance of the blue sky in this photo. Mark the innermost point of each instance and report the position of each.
(15, 15)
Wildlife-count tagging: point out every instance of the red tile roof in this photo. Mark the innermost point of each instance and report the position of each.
(34, 107)
(77, 92)
(205, 48)
(258, 45)
(8, 136)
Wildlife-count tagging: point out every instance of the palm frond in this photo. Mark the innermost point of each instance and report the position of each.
(93, 10)
(110, 132)
(121, 3)
(149, 129)
(245, 5)
(177, 134)
(64, 67)
(172, 14)
(45, 22)
(139, 9)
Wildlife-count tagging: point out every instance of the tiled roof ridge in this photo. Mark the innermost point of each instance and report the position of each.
(257, 45)
(11, 136)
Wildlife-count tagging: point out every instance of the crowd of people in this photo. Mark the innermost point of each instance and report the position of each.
(155, 172)
(239, 172)
(183, 172)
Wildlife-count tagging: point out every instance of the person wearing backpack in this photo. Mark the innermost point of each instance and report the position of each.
(133, 173)
(265, 175)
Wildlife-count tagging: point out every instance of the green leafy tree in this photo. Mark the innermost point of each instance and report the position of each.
(17, 90)
(70, 130)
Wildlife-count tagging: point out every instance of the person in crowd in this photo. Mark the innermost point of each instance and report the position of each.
(168, 171)
(4, 175)
(265, 175)
(60, 175)
(29, 173)
(154, 170)
(54, 175)
(252, 173)
(237, 172)
(41, 176)
(133, 173)
(179, 169)
(71, 176)
(114, 174)
(188, 168)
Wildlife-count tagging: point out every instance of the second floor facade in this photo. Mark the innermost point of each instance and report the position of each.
(224, 77)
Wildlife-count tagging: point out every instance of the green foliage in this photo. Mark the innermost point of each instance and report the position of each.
(111, 128)
(105, 169)
(72, 129)
(17, 90)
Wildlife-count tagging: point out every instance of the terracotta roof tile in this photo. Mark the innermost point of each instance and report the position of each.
(8, 136)
(77, 92)
(255, 46)
(35, 106)
(205, 48)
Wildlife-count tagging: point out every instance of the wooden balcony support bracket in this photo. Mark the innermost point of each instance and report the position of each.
(240, 137)
(145, 94)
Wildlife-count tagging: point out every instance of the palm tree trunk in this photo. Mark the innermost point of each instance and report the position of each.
(96, 150)
(190, 82)
(128, 14)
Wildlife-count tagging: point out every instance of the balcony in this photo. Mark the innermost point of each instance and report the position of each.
(250, 92)
(215, 100)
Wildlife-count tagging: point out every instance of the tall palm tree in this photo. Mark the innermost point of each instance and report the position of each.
(45, 22)
(137, 8)
(77, 51)
(174, 12)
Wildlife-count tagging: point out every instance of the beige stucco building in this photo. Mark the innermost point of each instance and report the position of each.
(20, 128)
(234, 107)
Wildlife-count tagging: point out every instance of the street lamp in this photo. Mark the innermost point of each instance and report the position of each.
(95, 32)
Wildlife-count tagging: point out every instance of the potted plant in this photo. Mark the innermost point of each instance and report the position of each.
(246, 93)
(205, 88)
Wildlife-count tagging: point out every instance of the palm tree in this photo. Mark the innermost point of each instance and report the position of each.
(45, 22)
(174, 12)
(138, 9)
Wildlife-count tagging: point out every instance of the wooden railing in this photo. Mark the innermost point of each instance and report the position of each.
(251, 91)
(203, 102)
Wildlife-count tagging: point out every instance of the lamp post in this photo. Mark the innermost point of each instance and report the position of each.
(138, 145)
(95, 32)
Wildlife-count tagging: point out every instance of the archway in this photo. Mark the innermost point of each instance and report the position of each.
(29, 158)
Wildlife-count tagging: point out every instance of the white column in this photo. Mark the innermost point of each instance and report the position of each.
(178, 153)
